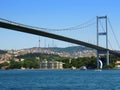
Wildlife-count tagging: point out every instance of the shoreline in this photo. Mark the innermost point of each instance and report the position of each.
(62, 69)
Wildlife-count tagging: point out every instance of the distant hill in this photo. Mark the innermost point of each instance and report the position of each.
(73, 51)
(69, 49)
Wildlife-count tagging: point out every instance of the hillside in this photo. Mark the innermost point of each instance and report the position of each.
(70, 50)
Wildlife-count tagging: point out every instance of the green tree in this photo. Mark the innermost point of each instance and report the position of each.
(15, 65)
(4, 64)
(30, 63)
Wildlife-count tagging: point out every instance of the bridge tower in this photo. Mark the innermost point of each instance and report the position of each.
(105, 33)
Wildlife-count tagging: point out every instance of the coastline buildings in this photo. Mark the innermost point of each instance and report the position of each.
(117, 64)
(51, 65)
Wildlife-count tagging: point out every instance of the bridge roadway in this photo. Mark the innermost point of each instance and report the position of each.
(35, 31)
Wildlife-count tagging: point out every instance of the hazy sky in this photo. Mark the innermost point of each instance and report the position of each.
(57, 14)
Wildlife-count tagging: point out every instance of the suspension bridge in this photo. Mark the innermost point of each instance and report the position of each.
(7, 24)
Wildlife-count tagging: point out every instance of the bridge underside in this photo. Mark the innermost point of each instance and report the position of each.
(29, 30)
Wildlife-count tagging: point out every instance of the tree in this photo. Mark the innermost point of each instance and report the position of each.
(15, 65)
(4, 64)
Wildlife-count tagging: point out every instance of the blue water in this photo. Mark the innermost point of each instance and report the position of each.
(59, 80)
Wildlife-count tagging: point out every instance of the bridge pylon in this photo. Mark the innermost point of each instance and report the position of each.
(101, 33)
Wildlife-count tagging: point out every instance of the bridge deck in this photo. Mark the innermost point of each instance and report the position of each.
(30, 30)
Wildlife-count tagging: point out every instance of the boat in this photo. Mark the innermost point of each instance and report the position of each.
(73, 68)
(83, 68)
(98, 70)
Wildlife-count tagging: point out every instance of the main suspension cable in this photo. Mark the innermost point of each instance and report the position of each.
(77, 27)
(114, 33)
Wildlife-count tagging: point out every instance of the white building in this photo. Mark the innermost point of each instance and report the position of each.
(51, 65)
(117, 64)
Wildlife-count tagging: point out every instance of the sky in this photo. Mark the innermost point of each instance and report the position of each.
(57, 14)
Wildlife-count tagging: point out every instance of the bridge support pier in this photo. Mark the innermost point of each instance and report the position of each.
(107, 57)
(102, 52)
(97, 59)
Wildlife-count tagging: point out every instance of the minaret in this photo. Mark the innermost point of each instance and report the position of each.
(39, 45)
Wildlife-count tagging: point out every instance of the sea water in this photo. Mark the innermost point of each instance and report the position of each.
(59, 80)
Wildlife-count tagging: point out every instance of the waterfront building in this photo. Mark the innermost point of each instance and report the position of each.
(117, 64)
(51, 65)
(43, 64)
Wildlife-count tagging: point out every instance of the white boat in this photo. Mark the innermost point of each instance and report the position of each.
(73, 68)
(83, 68)
(98, 70)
